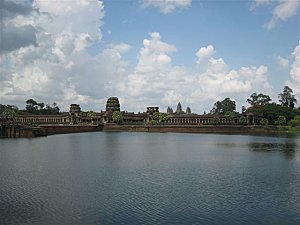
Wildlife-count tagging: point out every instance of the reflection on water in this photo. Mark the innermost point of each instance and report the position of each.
(150, 178)
(288, 148)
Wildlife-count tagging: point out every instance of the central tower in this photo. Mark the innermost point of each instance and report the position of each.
(112, 104)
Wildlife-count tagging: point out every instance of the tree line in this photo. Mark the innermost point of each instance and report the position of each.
(261, 105)
(32, 108)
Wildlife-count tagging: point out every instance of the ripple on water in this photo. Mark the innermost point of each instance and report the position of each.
(189, 179)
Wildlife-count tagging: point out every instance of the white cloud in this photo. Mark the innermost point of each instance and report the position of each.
(294, 81)
(161, 83)
(284, 9)
(205, 53)
(258, 3)
(282, 62)
(167, 6)
(59, 67)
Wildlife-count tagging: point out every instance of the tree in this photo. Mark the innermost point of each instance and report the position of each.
(188, 110)
(117, 117)
(31, 106)
(8, 114)
(41, 105)
(259, 99)
(243, 120)
(272, 112)
(281, 120)
(230, 115)
(243, 109)
(264, 121)
(216, 120)
(51, 109)
(286, 98)
(155, 116)
(163, 117)
(12, 107)
(159, 117)
(91, 114)
(222, 107)
(296, 121)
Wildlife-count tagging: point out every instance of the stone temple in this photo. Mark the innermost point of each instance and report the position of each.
(112, 104)
(76, 116)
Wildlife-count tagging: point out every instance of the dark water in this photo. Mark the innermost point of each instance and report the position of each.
(150, 178)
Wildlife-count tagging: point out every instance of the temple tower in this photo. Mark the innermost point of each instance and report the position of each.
(112, 104)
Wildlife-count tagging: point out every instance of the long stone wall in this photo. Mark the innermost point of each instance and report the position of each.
(179, 128)
(65, 129)
(16, 131)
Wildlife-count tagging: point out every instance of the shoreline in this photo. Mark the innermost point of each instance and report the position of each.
(45, 130)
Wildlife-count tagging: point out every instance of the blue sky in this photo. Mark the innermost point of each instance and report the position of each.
(148, 52)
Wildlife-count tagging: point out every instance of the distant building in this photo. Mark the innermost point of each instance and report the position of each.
(152, 109)
(112, 104)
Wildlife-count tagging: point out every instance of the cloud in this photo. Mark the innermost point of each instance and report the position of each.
(294, 81)
(11, 8)
(258, 3)
(284, 9)
(167, 6)
(58, 66)
(159, 82)
(14, 36)
(282, 62)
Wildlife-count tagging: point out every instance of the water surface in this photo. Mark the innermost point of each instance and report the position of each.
(150, 178)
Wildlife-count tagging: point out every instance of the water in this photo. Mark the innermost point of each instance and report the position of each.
(150, 178)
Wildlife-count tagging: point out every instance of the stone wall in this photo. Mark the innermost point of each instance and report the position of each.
(65, 129)
(178, 128)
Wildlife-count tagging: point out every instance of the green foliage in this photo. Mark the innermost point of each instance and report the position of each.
(295, 121)
(259, 99)
(216, 120)
(31, 106)
(11, 107)
(8, 114)
(159, 117)
(243, 120)
(39, 108)
(281, 120)
(117, 117)
(153, 122)
(272, 112)
(230, 115)
(286, 98)
(264, 121)
(91, 114)
(156, 116)
(222, 107)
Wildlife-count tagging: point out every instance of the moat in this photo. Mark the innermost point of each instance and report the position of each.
(150, 178)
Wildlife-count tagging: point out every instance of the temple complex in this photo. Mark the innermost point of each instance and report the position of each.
(77, 116)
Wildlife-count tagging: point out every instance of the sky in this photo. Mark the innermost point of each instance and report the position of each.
(147, 52)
